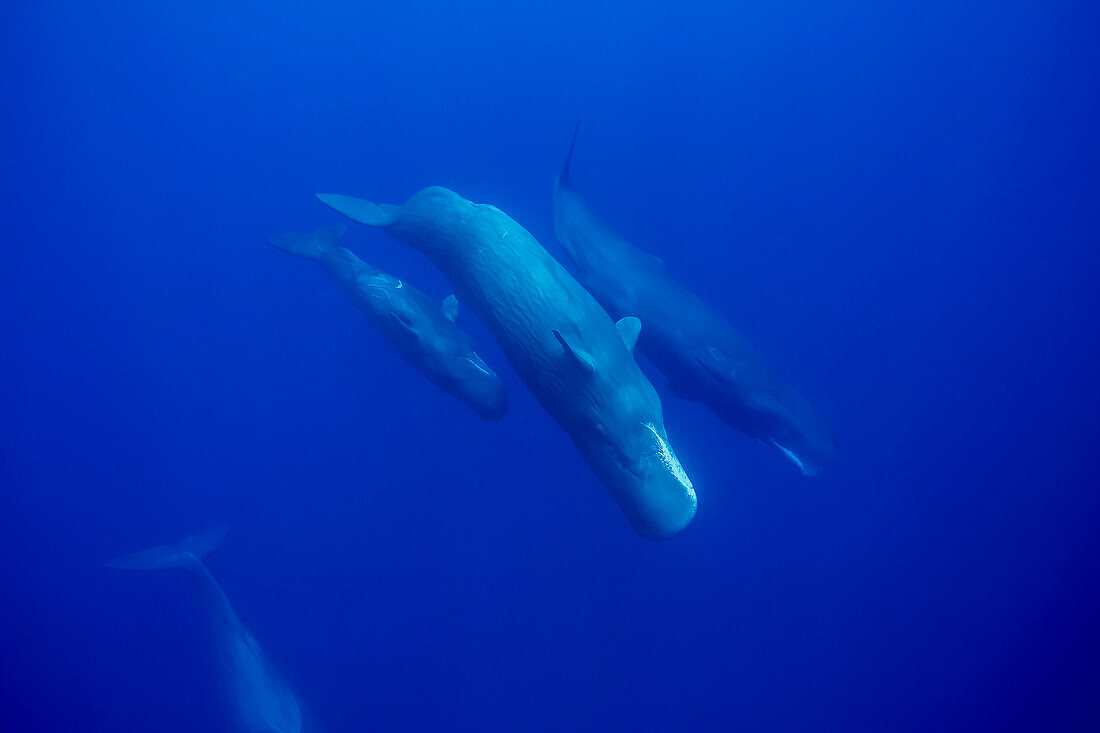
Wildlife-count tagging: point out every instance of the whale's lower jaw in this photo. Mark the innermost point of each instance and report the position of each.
(809, 462)
(793, 458)
(667, 523)
(657, 504)
(674, 503)
(646, 480)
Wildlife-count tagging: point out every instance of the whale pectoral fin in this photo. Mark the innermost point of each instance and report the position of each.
(364, 212)
(629, 328)
(450, 308)
(581, 358)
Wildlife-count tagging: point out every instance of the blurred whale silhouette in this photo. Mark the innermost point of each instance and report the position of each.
(699, 352)
(424, 333)
(576, 361)
(261, 698)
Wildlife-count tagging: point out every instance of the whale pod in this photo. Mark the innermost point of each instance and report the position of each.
(575, 360)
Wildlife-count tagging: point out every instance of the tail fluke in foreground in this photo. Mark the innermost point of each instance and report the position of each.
(165, 557)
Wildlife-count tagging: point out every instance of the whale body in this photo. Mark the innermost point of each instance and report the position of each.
(576, 361)
(423, 332)
(261, 698)
(700, 353)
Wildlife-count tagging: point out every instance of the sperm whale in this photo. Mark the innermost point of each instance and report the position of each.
(261, 698)
(423, 332)
(700, 353)
(574, 359)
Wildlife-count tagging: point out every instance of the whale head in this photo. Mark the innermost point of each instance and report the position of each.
(633, 457)
(779, 418)
(746, 394)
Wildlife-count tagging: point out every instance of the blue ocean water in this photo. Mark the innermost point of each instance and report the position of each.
(899, 205)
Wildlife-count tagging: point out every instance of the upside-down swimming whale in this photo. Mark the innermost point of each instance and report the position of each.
(566, 349)
(421, 331)
(699, 352)
(261, 698)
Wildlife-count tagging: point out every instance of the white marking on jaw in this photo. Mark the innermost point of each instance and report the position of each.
(792, 456)
(479, 364)
(668, 458)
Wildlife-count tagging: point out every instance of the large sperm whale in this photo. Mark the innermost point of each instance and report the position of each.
(419, 329)
(566, 349)
(702, 355)
(261, 699)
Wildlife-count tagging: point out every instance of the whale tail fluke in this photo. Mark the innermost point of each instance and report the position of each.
(184, 555)
(311, 245)
(364, 212)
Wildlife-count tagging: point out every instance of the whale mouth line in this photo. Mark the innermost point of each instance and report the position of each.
(480, 365)
(790, 454)
(668, 458)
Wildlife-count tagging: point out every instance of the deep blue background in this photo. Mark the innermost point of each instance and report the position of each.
(898, 205)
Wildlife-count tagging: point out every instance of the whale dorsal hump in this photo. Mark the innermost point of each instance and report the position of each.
(629, 328)
(450, 308)
(581, 358)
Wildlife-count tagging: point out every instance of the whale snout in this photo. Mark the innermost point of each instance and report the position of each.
(666, 513)
(651, 486)
(666, 500)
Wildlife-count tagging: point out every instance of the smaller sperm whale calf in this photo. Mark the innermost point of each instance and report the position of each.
(423, 332)
(261, 698)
